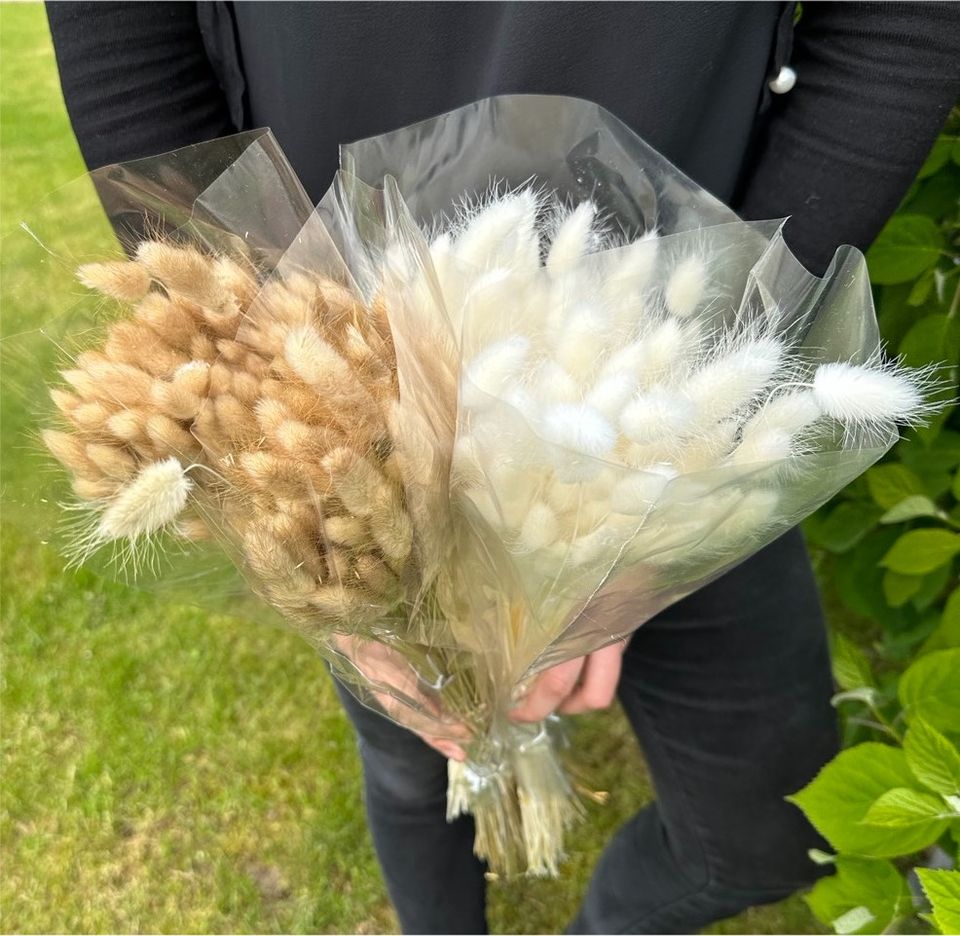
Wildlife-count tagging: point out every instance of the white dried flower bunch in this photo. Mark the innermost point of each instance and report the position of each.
(622, 409)
(606, 389)
(260, 414)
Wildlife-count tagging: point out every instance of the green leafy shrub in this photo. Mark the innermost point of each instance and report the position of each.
(896, 799)
(886, 550)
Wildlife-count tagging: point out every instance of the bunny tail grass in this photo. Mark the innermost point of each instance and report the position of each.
(148, 503)
(867, 394)
(131, 518)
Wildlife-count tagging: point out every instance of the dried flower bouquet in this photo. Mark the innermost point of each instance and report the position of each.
(456, 431)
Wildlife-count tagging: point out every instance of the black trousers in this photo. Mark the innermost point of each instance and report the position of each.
(728, 693)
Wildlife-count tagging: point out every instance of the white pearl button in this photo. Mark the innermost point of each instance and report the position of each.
(784, 81)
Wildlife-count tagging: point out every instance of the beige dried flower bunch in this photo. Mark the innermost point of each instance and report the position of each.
(220, 408)
(268, 415)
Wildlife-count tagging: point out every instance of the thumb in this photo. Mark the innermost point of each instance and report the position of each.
(551, 687)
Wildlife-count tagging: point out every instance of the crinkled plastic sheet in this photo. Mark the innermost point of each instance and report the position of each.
(549, 608)
(237, 197)
(578, 151)
(567, 145)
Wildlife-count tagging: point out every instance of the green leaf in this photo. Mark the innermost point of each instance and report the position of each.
(955, 487)
(900, 645)
(933, 424)
(898, 589)
(921, 290)
(908, 245)
(844, 526)
(928, 341)
(934, 760)
(858, 577)
(938, 156)
(851, 668)
(941, 454)
(931, 587)
(838, 798)
(921, 551)
(937, 196)
(896, 317)
(918, 505)
(947, 634)
(955, 151)
(890, 484)
(864, 896)
(906, 808)
(942, 395)
(951, 610)
(930, 689)
(943, 891)
(937, 483)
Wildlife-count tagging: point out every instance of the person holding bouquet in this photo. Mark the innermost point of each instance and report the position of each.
(825, 119)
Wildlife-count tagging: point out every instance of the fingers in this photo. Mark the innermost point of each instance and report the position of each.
(578, 685)
(394, 685)
(551, 687)
(449, 749)
(598, 684)
(452, 746)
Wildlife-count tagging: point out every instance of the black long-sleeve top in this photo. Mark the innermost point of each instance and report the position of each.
(875, 81)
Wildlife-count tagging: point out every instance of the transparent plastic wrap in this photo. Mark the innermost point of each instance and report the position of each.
(217, 383)
(235, 198)
(513, 387)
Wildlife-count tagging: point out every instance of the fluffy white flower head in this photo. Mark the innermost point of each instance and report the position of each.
(491, 370)
(610, 394)
(574, 238)
(578, 427)
(499, 232)
(686, 287)
(732, 380)
(540, 527)
(655, 415)
(151, 501)
(857, 394)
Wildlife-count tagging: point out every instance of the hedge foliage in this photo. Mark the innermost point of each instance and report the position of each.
(887, 549)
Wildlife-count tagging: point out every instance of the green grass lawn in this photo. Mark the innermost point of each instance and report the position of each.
(171, 771)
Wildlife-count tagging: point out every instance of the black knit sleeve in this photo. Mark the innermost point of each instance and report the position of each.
(875, 83)
(136, 78)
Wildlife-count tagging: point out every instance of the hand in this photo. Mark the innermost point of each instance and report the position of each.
(391, 679)
(580, 685)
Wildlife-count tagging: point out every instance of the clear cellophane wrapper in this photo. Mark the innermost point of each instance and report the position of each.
(350, 418)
